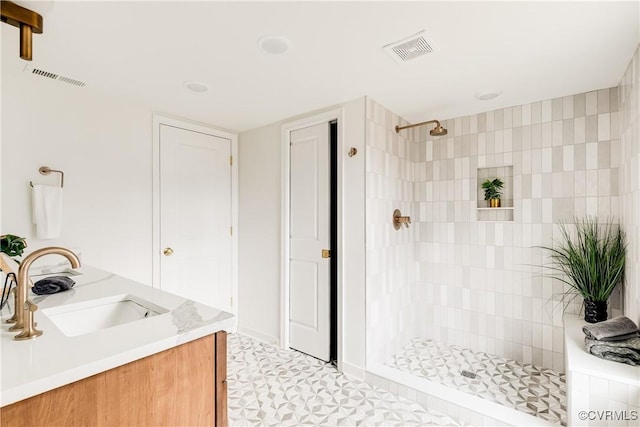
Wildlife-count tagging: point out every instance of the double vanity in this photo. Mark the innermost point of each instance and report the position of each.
(115, 352)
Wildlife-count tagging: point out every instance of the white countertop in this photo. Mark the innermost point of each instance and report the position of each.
(52, 360)
(578, 360)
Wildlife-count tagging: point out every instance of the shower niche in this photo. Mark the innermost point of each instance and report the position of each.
(506, 210)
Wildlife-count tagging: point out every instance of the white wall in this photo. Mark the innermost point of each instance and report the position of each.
(104, 148)
(260, 208)
(353, 238)
(259, 233)
(629, 91)
(391, 256)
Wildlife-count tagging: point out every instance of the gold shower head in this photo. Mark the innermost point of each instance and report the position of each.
(436, 131)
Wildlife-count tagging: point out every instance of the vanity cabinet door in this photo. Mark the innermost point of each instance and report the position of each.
(182, 386)
(221, 379)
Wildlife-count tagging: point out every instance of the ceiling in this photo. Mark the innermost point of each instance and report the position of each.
(144, 51)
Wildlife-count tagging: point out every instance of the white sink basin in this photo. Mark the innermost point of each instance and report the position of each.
(94, 315)
(54, 271)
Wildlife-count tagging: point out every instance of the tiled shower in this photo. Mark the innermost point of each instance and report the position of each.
(465, 277)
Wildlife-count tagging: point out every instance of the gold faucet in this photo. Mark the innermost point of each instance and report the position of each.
(24, 308)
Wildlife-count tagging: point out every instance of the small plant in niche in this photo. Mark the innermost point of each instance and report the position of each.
(493, 191)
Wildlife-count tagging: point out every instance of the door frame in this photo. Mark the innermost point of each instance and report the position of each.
(158, 120)
(286, 129)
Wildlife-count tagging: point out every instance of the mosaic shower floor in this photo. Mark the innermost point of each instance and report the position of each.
(536, 391)
(268, 385)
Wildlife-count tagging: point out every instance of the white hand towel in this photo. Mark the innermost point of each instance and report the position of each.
(47, 211)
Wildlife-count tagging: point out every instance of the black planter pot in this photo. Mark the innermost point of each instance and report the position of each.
(595, 311)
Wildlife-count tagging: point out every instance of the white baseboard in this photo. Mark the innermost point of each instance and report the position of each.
(268, 339)
(353, 371)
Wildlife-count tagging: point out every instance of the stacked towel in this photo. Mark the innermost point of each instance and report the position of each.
(627, 351)
(615, 339)
(52, 285)
(616, 329)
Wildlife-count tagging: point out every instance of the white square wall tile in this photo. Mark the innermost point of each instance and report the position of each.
(547, 337)
(536, 112)
(604, 100)
(592, 155)
(599, 389)
(604, 127)
(556, 130)
(546, 111)
(526, 114)
(567, 157)
(618, 391)
(592, 103)
(633, 396)
(567, 107)
(579, 130)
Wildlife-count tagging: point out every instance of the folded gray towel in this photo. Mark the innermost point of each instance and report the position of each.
(611, 328)
(618, 351)
(620, 337)
(52, 285)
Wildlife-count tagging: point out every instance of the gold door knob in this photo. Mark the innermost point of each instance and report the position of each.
(167, 251)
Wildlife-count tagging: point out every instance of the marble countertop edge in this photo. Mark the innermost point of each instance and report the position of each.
(33, 367)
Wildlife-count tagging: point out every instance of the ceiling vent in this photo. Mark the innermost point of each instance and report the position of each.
(53, 76)
(410, 48)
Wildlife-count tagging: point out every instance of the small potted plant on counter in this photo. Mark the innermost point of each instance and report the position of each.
(492, 191)
(590, 261)
(12, 246)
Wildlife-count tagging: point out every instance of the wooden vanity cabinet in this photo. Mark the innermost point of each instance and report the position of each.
(183, 386)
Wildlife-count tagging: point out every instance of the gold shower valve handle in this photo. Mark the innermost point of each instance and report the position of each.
(398, 220)
(167, 251)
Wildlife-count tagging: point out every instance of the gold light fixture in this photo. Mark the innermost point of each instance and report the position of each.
(27, 20)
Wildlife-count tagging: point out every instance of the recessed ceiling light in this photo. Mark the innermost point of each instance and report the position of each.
(487, 95)
(196, 86)
(274, 45)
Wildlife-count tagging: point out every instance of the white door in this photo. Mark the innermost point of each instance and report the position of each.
(195, 216)
(309, 279)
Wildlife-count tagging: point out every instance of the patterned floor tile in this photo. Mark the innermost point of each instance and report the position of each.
(270, 386)
(536, 391)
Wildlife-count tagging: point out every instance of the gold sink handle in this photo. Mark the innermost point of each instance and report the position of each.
(29, 331)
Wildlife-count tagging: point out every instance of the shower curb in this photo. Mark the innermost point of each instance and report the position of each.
(462, 407)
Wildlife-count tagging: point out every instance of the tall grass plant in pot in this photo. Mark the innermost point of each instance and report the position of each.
(591, 262)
